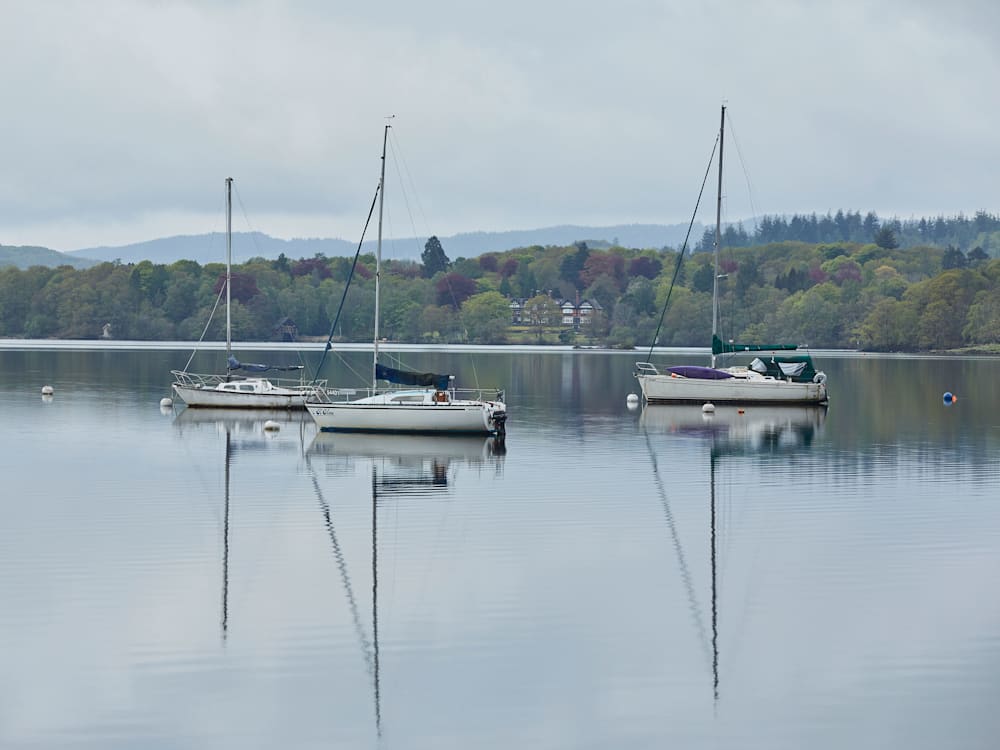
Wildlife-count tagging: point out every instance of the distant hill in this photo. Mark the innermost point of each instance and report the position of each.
(211, 248)
(27, 256)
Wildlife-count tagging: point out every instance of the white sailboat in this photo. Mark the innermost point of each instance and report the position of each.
(237, 391)
(433, 406)
(768, 379)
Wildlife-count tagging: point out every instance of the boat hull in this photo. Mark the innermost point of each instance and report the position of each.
(211, 398)
(667, 389)
(453, 418)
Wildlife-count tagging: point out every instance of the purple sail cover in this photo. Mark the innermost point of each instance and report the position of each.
(702, 373)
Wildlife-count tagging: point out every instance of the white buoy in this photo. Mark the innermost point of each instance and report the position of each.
(632, 399)
(708, 408)
(47, 390)
(166, 402)
(271, 426)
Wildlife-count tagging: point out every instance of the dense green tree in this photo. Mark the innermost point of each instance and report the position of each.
(982, 324)
(977, 256)
(953, 258)
(885, 238)
(889, 327)
(486, 317)
(704, 278)
(433, 258)
(572, 265)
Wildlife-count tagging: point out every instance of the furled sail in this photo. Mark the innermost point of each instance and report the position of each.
(721, 347)
(405, 377)
(235, 364)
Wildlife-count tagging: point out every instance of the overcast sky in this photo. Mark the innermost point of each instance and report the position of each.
(121, 118)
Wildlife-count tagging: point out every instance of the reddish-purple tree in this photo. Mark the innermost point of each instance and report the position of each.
(454, 288)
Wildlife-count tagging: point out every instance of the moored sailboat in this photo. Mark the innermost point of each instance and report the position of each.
(769, 379)
(234, 390)
(430, 405)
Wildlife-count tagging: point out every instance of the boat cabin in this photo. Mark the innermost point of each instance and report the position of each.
(255, 385)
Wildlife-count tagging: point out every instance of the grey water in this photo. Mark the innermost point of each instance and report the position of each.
(610, 577)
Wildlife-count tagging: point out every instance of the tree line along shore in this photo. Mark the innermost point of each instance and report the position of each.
(874, 296)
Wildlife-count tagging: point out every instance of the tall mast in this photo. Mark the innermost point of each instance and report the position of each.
(229, 262)
(378, 253)
(718, 239)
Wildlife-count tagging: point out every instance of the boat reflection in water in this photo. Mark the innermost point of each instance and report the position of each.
(739, 429)
(402, 465)
(734, 432)
(409, 461)
(245, 431)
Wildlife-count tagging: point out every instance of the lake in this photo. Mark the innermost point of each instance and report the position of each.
(611, 577)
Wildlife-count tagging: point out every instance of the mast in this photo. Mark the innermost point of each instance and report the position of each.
(378, 254)
(229, 263)
(718, 238)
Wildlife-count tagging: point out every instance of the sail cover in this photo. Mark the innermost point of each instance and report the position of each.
(702, 373)
(720, 347)
(405, 377)
(235, 364)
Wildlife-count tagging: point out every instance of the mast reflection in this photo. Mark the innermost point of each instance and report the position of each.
(727, 431)
(244, 431)
(400, 466)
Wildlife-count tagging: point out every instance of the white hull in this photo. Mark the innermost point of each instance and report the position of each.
(209, 397)
(667, 389)
(470, 418)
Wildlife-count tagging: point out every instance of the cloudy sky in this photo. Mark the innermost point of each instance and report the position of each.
(121, 118)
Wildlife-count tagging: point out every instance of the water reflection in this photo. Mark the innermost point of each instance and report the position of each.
(253, 431)
(412, 461)
(402, 466)
(739, 429)
(726, 431)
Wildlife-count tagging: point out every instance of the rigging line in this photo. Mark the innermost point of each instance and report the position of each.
(394, 146)
(403, 193)
(680, 255)
(398, 159)
(693, 606)
(210, 316)
(246, 218)
(746, 173)
(354, 263)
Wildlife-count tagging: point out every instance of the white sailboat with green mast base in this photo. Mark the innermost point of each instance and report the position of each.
(769, 379)
(430, 404)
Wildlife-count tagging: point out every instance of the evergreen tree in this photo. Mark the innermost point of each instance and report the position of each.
(953, 258)
(433, 258)
(886, 238)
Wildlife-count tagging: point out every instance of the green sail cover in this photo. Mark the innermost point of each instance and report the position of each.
(719, 347)
(798, 368)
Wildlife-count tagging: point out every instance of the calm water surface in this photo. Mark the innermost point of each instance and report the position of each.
(614, 578)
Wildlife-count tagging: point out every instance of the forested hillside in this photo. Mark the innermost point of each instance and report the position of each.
(842, 295)
(28, 256)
